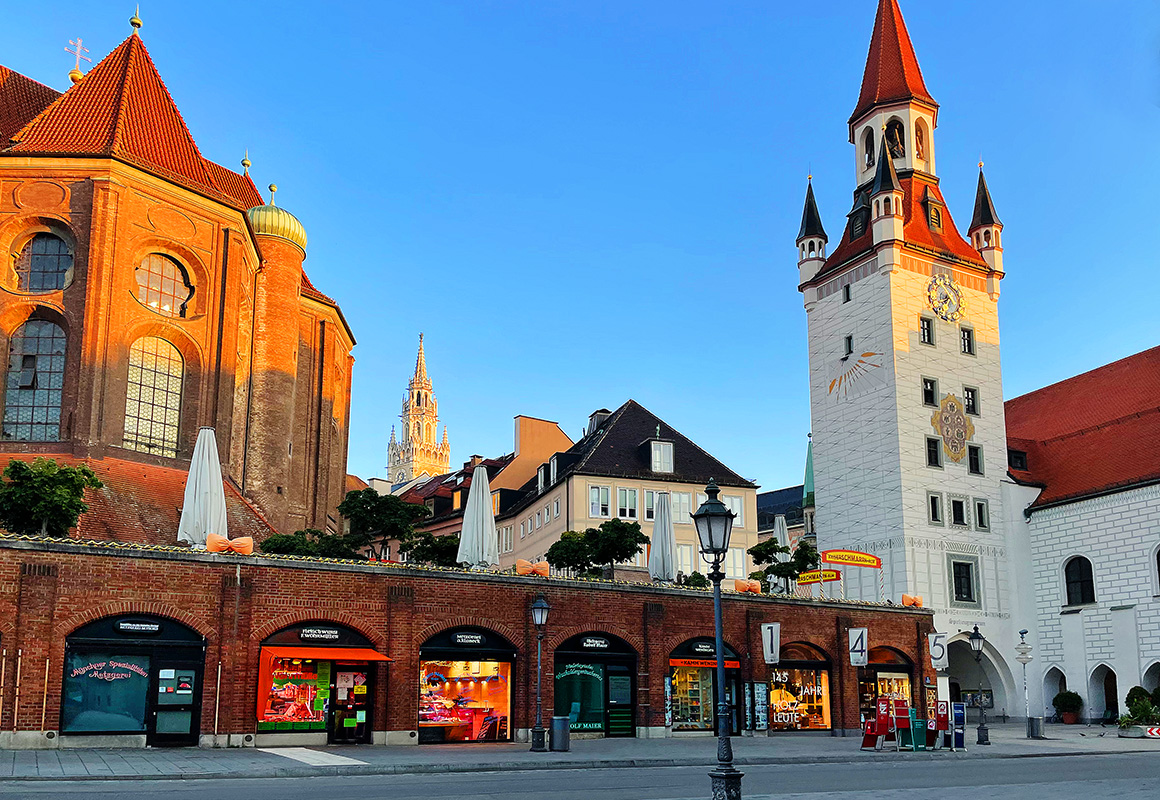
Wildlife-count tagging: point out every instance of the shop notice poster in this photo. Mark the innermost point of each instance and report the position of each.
(761, 706)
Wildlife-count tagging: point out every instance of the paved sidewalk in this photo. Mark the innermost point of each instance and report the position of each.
(189, 763)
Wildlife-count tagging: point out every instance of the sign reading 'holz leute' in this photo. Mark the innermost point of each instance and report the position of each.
(851, 558)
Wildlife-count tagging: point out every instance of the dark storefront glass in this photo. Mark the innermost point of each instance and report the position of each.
(104, 691)
(594, 684)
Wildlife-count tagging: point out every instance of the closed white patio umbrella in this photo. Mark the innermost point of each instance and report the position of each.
(204, 510)
(662, 561)
(478, 540)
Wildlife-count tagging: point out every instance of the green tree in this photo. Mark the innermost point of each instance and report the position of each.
(614, 542)
(697, 581)
(310, 542)
(377, 518)
(44, 498)
(425, 547)
(804, 559)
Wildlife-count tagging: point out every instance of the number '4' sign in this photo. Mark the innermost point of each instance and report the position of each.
(858, 647)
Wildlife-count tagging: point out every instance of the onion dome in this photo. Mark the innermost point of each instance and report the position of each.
(269, 220)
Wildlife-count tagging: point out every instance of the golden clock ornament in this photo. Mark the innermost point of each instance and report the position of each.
(946, 299)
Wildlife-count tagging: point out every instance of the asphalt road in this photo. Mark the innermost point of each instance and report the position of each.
(1111, 777)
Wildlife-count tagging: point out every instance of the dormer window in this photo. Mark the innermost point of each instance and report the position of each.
(540, 475)
(859, 226)
(552, 470)
(662, 456)
(935, 218)
(1017, 459)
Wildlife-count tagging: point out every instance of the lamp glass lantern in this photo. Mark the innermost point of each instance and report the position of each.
(540, 609)
(714, 523)
(976, 639)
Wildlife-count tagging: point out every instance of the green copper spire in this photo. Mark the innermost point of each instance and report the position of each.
(808, 488)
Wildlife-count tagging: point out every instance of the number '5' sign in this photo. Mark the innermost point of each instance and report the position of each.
(858, 648)
(937, 643)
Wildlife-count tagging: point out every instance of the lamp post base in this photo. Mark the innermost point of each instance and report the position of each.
(539, 740)
(984, 734)
(726, 783)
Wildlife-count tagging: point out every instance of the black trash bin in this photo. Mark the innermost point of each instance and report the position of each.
(561, 739)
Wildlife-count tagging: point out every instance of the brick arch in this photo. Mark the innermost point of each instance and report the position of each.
(467, 622)
(159, 609)
(162, 328)
(671, 642)
(295, 617)
(24, 308)
(16, 232)
(634, 641)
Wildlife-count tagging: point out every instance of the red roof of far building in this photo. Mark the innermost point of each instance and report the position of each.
(141, 503)
(21, 99)
(355, 484)
(1094, 433)
(121, 109)
(892, 72)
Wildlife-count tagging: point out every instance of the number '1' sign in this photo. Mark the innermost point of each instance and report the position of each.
(858, 647)
(937, 643)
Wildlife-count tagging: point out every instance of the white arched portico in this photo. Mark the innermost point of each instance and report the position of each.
(991, 674)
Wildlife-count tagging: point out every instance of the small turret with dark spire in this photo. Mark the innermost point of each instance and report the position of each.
(811, 238)
(986, 230)
(886, 198)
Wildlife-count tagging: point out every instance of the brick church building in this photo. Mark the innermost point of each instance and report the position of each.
(147, 291)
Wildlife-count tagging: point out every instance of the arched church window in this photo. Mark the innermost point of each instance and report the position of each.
(987, 237)
(153, 397)
(1081, 587)
(33, 386)
(163, 285)
(44, 264)
(868, 147)
(811, 248)
(895, 138)
(919, 142)
(887, 205)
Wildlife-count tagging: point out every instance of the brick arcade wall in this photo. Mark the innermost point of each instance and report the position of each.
(48, 589)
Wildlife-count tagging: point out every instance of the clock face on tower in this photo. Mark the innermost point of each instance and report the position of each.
(945, 298)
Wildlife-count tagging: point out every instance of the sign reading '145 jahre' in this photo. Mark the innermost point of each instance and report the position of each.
(851, 558)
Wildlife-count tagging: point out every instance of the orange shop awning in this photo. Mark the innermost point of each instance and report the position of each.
(266, 662)
(326, 653)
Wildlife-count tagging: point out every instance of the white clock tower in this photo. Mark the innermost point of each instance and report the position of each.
(906, 391)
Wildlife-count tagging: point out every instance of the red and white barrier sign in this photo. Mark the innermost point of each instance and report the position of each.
(1152, 733)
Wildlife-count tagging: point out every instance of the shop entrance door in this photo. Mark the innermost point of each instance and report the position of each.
(350, 704)
(174, 716)
(619, 719)
(732, 695)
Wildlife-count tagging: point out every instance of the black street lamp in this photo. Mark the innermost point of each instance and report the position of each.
(714, 524)
(540, 609)
(977, 639)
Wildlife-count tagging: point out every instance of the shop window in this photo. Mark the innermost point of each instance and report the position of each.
(104, 692)
(299, 691)
(692, 672)
(153, 397)
(465, 689)
(44, 265)
(887, 674)
(163, 286)
(35, 380)
(799, 698)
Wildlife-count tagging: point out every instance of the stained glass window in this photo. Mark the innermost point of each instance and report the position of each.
(153, 399)
(43, 265)
(33, 385)
(163, 286)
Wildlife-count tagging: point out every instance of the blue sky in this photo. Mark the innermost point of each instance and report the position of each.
(582, 202)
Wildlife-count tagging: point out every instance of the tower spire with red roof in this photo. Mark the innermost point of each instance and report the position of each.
(892, 72)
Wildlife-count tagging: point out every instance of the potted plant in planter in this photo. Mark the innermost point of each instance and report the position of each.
(1141, 719)
(1067, 705)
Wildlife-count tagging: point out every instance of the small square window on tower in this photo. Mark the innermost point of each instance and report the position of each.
(926, 330)
(935, 508)
(848, 345)
(933, 452)
(971, 400)
(968, 341)
(974, 459)
(846, 293)
(959, 512)
(929, 392)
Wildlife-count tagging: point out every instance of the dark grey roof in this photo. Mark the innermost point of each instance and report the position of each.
(885, 177)
(618, 449)
(811, 219)
(787, 501)
(984, 208)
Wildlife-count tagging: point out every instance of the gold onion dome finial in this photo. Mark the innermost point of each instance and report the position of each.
(75, 75)
(269, 220)
(135, 20)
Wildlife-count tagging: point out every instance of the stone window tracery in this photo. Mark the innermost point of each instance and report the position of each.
(44, 264)
(35, 379)
(163, 285)
(153, 397)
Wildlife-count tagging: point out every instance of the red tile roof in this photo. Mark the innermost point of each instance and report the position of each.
(121, 109)
(892, 72)
(21, 99)
(355, 484)
(141, 503)
(1090, 434)
(915, 230)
